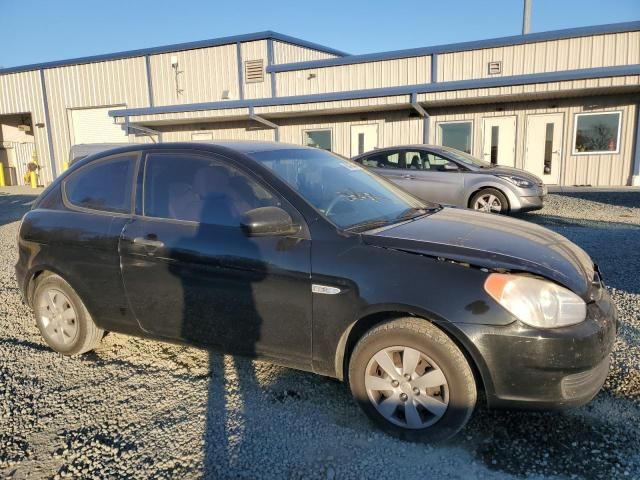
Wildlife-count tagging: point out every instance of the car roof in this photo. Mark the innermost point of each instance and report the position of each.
(416, 146)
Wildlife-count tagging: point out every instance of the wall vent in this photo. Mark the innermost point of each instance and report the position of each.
(254, 71)
(495, 68)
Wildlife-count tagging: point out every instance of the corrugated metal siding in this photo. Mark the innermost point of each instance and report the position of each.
(203, 76)
(549, 56)
(117, 83)
(255, 51)
(22, 93)
(571, 87)
(394, 128)
(289, 53)
(600, 170)
(230, 131)
(387, 73)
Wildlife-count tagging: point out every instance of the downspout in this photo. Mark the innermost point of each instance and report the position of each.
(425, 117)
(264, 121)
(635, 175)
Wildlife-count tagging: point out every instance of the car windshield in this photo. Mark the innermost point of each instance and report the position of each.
(348, 195)
(465, 158)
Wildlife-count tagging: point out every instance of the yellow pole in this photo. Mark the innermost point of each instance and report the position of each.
(2, 184)
(65, 166)
(33, 177)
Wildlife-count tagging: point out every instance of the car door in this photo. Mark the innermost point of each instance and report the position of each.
(386, 163)
(431, 177)
(192, 274)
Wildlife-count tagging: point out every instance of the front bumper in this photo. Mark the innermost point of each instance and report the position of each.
(525, 367)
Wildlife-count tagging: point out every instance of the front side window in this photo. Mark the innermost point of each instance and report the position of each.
(382, 160)
(200, 189)
(597, 133)
(103, 185)
(318, 139)
(347, 194)
(456, 135)
(421, 160)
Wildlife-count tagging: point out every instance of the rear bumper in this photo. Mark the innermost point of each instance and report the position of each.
(524, 367)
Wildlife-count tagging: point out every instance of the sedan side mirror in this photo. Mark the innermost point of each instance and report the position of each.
(268, 221)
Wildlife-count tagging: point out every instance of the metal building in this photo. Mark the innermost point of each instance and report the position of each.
(563, 104)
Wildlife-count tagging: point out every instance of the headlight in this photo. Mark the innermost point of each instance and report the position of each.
(536, 302)
(517, 181)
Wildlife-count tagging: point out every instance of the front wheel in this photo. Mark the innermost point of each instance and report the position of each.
(412, 380)
(489, 200)
(62, 318)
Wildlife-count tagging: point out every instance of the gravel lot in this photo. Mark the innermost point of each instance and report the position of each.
(140, 409)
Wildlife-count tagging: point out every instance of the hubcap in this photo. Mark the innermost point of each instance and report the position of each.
(488, 203)
(58, 317)
(407, 387)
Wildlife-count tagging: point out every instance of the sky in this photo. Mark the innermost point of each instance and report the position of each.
(45, 30)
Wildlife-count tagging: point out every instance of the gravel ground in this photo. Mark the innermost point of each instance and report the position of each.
(138, 408)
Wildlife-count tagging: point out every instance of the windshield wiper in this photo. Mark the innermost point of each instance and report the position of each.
(410, 213)
(368, 225)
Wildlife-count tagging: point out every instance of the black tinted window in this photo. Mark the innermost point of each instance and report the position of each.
(200, 189)
(105, 185)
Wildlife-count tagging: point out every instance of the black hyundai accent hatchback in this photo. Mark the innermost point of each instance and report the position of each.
(299, 257)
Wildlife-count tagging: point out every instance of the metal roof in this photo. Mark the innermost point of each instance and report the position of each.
(249, 37)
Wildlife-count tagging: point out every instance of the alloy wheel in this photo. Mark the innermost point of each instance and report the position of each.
(406, 387)
(488, 203)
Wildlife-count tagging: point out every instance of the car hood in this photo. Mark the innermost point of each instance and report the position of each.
(500, 170)
(491, 241)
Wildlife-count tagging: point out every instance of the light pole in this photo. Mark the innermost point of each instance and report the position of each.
(526, 17)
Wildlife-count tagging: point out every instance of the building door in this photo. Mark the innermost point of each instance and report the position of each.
(364, 138)
(543, 149)
(94, 125)
(499, 140)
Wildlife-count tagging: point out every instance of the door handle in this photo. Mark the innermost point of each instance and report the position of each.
(147, 242)
(408, 176)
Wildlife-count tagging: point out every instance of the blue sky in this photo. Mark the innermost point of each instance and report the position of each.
(42, 30)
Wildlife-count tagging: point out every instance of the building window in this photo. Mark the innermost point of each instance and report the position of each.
(318, 138)
(596, 133)
(456, 135)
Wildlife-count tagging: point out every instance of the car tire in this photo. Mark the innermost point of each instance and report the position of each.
(62, 318)
(489, 200)
(435, 411)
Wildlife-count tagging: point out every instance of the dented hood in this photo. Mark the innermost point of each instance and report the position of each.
(491, 241)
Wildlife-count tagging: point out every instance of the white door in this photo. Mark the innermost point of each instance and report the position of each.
(543, 151)
(94, 125)
(364, 138)
(499, 140)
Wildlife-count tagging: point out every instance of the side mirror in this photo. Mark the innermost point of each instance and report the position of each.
(268, 221)
(450, 167)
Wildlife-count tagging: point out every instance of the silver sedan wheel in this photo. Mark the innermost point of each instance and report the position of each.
(488, 203)
(58, 317)
(406, 387)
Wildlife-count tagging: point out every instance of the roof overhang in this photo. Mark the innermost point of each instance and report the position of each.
(382, 98)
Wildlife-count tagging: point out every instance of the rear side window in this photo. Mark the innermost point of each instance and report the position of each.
(104, 185)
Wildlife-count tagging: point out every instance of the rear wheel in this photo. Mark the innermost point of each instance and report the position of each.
(412, 380)
(489, 200)
(63, 320)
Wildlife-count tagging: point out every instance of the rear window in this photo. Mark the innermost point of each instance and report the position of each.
(104, 185)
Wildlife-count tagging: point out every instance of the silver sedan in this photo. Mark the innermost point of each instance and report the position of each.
(448, 176)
